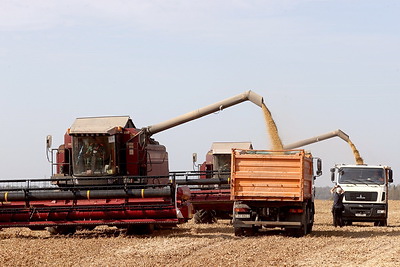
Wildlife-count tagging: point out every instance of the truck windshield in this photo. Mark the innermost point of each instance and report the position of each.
(361, 176)
(93, 155)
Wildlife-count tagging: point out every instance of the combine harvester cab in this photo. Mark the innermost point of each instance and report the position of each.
(107, 172)
(212, 200)
(273, 189)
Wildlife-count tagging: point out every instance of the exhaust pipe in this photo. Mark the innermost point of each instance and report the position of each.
(201, 112)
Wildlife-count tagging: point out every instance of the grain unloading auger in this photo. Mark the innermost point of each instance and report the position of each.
(338, 133)
(107, 172)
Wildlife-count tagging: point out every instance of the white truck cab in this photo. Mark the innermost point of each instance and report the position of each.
(366, 192)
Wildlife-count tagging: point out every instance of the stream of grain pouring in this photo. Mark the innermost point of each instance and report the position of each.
(272, 129)
(358, 158)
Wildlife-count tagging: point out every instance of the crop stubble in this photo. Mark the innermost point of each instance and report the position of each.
(210, 245)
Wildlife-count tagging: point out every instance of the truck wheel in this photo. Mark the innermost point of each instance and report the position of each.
(249, 231)
(381, 223)
(205, 216)
(239, 231)
(310, 218)
(347, 223)
(62, 230)
(296, 232)
(309, 228)
(305, 225)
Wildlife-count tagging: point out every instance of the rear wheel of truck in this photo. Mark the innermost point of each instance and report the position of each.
(250, 231)
(205, 216)
(296, 232)
(239, 231)
(62, 230)
(305, 224)
(310, 217)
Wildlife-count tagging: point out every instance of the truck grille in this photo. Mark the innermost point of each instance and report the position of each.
(361, 196)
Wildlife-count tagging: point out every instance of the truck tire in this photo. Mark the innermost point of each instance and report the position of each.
(205, 216)
(305, 224)
(310, 216)
(249, 231)
(62, 230)
(347, 223)
(239, 231)
(296, 232)
(381, 223)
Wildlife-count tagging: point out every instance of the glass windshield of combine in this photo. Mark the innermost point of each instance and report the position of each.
(93, 155)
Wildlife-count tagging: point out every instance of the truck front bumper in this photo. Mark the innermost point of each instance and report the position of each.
(360, 212)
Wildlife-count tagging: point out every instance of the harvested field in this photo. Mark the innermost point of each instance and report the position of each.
(210, 245)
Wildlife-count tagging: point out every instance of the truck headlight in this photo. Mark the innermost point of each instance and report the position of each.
(381, 211)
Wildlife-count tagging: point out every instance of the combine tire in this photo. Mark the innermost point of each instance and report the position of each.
(36, 228)
(205, 216)
(86, 227)
(140, 229)
(62, 230)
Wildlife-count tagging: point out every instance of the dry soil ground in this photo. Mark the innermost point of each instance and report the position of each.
(210, 245)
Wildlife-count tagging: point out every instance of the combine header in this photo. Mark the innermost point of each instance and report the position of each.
(107, 172)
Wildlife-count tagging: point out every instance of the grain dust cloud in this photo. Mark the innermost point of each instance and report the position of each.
(272, 129)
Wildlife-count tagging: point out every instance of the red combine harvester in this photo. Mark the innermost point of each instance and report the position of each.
(107, 172)
(211, 197)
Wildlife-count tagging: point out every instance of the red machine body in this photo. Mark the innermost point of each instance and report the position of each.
(211, 199)
(117, 147)
(107, 172)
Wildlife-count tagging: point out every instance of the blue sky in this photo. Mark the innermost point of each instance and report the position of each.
(320, 66)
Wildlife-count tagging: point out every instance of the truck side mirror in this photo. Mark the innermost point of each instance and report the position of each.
(194, 157)
(332, 174)
(390, 176)
(319, 167)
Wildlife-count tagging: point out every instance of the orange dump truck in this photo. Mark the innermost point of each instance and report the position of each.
(273, 189)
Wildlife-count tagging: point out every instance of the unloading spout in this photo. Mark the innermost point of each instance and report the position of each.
(318, 138)
(249, 95)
